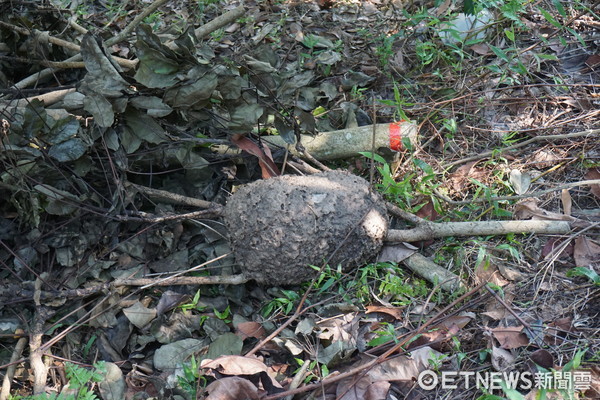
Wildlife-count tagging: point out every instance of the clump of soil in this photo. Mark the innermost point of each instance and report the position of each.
(280, 226)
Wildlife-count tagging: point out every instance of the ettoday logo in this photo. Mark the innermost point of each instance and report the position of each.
(557, 380)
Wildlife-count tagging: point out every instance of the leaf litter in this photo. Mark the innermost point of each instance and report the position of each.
(63, 182)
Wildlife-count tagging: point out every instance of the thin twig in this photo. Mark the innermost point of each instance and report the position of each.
(540, 193)
(486, 154)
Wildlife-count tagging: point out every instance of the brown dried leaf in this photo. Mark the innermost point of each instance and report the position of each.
(459, 179)
(567, 202)
(545, 158)
(428, 212)
(481, 49)
(395, 252)
(528, 208)
(455, 321)
(350, 389)
(489, 273)
(250, 329)
(343, 328)
(502, 360)
(401, 368)
(594, 391)
(235, 365)
(232, 388)
(593, 61)
(558, 330)
(495, 309)
(594, 173)
(267, 166)
(395, 312)
(511, 337)
(586, 252)
(553, 244)
(543, 358)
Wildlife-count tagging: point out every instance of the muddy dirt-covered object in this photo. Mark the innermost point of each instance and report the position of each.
(280, 226)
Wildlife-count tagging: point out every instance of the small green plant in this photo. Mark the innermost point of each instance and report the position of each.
(385, 50)
(399, 103)
(427, 52)
(358, 93)
(436, 360)
(585, 272)
(460, 355)
(283, 304)
(154, 20)
(223, 315)
(385, 334)
(191, 380)
(217, 35)
(80, 382)
(389, 280)
(323, 371)
(193, 304)
(399, 192)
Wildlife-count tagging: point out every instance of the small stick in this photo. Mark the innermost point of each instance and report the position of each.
(10, 370)
(589, 132)
(432, 230)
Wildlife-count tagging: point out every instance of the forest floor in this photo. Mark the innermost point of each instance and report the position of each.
(127, 125)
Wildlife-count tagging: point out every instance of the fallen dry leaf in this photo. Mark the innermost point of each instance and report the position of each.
(350, 389)
(557, 330)
(545, 158)
(489, 273)
(528, 208)
(497, 310)
(567, 202)
(396, 312)
(481, 49)
(511, 337)
(395, 252)
(594, 391)
(502, 360)
(250, 329)
(594, 173)
(232, 388)
(459, 179)
(235, 365)
(586, 252)
(400, 368)
(520, 181)
(267, 166)
(554, 244)
(543, 358)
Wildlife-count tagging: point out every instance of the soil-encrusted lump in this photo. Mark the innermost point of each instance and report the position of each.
(280, 226)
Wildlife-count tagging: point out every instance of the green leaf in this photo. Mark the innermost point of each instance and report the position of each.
(69, 150)
(510, 34)
(376, 157)
(144, 126)
(34, 118)
(226, 344)
(469, 7)
(550, 18)
(585, 272)
(575, 363)
(511, 394)
(380, 340)
(100, 108)
(499, 53)
(559, 8)
(285, 130)
(192, 91)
